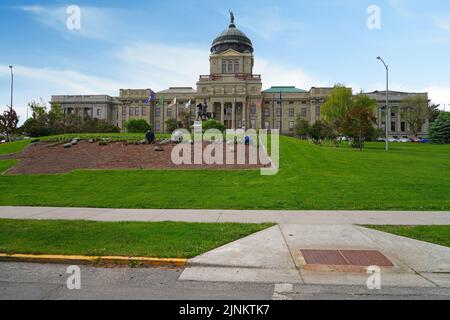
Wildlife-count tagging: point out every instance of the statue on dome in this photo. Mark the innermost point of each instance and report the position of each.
(231, 17)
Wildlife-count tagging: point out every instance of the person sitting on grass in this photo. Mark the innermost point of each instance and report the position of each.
(150, 136)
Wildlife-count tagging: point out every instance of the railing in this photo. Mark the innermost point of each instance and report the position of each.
(240, 76)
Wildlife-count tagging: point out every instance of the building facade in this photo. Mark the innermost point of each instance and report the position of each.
(232, 92)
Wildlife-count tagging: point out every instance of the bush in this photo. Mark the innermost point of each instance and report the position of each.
(137, 126)
(213, 124)
(171, 125)
(439, 132)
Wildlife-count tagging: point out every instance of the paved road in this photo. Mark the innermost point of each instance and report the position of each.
(46, 281)
(244, 216)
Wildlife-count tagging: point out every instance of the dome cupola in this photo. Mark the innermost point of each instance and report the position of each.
(232, 38)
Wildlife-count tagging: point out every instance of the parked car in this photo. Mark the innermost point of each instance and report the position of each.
(3, 141)
(424, 141)
(393, 140)
(381, 139)
(404, 140)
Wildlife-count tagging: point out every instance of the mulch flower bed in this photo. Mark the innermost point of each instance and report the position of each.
(48, 158)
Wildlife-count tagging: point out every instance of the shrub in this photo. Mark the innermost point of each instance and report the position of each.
(213, 124)
(171, 125)
(439, 132)
(137, 126)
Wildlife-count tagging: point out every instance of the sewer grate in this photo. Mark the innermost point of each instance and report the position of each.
(366, 258)
(359, 258)
(328, 257)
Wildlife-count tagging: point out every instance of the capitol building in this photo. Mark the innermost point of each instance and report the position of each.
(232, 92)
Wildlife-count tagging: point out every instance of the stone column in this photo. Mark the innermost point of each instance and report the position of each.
(233, 116)
(222, 116)
(244, 114)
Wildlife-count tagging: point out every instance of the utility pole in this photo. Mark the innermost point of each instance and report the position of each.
(387, 102)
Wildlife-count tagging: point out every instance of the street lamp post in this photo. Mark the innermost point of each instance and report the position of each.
(387, 102)
(12, 86)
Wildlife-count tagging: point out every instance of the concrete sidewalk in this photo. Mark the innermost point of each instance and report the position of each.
(243, 216)
(274, 256)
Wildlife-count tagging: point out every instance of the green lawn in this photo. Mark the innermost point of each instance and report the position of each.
(144, 239)
(409, 177)
(433, 234)
(13, 147)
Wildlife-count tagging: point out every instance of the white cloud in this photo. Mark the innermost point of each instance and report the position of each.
(41, 83)
(439, 95)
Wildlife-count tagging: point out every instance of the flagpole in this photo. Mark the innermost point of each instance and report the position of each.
(273, 111)
(281, 113)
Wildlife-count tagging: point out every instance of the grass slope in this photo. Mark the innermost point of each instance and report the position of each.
(145, 239)
(409, 177)
(13, 147)
(433, 234)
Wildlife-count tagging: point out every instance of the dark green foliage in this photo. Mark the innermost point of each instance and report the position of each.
(213, 124)
(171, 125)
(43, 123)
(440, 129)
(137, 126)
(302, 128)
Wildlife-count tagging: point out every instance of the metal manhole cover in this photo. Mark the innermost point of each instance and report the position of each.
(359, 258)
(366, 258)
(328, 257)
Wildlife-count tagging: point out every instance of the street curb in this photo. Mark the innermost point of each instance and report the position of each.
(93, 260)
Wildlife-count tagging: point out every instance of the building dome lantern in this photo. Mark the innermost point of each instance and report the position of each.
(232, 38)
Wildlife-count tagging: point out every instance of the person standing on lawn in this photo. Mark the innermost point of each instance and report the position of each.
(150, 136)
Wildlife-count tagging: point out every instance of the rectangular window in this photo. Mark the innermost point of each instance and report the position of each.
(291, 102)
(224, 66)
(144, 111)
(157, 127)
(236, 67)
(266, 125)
(169, 112)
(291, 112)
(158, 112)
(253, 124)
(317, 111)
(266, 112)
(99, 112)
(393, 114)
(304, 113)
(403, 126)
(253, 109)
(239, 124)
(278, 112)
(278, 125)
(393, 126)
(291, 125)
(230, 66)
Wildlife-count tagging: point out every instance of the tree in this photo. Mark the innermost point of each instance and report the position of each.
(56, 119)
(302, 128)
(434, 112)
(171, 125)
(137, 126)
(439, 132)
(416, 110)
(336, 107)
(8, 122)
(213, 124)
(318, 132)
(359, 121)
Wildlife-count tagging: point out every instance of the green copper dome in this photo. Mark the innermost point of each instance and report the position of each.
(232, 38)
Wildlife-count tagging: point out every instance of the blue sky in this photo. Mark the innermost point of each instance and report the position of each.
(157, 44)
